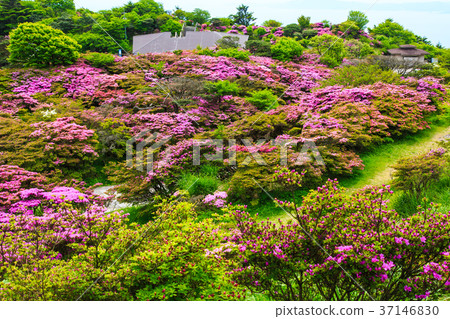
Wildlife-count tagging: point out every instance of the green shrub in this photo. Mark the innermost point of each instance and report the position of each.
(263, 100)
(357, 49)
(259, 47)
(222, 88)
(330, 48)
(35, 44)
(272, 23)
(234, 53)
(414, 175)
(259, 33)
(99, 60)
(431, 70)
(205, 51)
(209, 170)
(286, 49)
(304, 22)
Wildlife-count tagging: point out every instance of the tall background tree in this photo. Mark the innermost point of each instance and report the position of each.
(243, 16)
(359, 18)
(12, 13)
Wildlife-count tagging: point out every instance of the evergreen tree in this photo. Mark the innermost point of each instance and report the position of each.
(243, 16)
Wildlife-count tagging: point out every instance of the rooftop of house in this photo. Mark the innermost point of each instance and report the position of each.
(408, 50)
(164, 42)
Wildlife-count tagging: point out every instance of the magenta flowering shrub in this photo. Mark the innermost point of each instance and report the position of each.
(82, 81)
(13, 180)
(344, 247)
(360, 117)
(34, 85)
(217, 200)
(13, 103)
(174, 125)
(66, 144)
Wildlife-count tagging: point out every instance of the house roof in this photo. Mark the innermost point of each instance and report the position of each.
(408, 50)
(163, 42)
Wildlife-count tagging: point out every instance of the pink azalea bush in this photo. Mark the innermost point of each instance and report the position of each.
(66, 143)
(343, 247)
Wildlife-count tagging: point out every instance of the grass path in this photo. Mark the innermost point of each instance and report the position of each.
(378, 163)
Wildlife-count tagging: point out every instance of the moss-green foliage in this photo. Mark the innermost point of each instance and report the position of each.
(286, 49)
(361, 74)
(309, 33)
(432, 70)
(91, 41)
(258, 126)
(264, 100)
(140, 214)
(359, 18)
(99, 60)
(35, 44)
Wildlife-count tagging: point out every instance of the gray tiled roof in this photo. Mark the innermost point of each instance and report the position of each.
(163, 42)
(407, 50)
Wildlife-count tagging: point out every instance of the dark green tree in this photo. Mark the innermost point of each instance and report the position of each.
(199, 16)
(304, 22)
(64, 23)
(243, 16)
(58, 6)
(12, 13)
(396, 33)
(290, 29)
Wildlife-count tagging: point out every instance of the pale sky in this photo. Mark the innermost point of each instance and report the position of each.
(429, 18)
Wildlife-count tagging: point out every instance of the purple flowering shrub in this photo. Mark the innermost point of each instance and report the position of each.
(344, 247)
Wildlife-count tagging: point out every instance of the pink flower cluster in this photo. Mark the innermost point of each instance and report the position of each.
(218, 199)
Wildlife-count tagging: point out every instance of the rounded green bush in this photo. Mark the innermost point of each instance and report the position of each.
(36, 44)
(286, 49)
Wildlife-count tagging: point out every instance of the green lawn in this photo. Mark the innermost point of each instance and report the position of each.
(378, 162)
